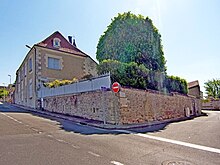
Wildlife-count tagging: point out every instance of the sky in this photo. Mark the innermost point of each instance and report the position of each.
(190, 30)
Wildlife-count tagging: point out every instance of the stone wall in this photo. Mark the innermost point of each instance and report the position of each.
(140, 106)
(129, 106)
(211, 105)
(97, 105)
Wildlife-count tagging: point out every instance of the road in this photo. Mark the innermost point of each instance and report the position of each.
(30, 138)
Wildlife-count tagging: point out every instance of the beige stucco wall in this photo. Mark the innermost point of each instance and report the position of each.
(71, 66)
(22, 96)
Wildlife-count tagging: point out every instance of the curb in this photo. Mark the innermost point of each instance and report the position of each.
(101, 125)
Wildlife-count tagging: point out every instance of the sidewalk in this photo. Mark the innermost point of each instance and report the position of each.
(96, 123)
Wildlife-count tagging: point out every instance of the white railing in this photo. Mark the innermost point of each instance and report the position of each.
(92, 84)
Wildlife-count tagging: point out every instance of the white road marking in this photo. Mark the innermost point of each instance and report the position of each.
(116, 163)
(12, 118)
(94, 154)
(60, 140)
(195, 146)
(77, 147)
(50, 136)
(34, 129)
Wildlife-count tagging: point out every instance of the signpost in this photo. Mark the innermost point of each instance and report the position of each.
(116, 87)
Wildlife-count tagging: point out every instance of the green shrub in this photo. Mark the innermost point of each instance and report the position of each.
(57, 83)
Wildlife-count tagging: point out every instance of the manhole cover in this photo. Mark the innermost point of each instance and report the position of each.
(177, 162)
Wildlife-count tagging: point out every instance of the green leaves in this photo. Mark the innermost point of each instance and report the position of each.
(212, 88)
(131, 50)
(176, 84)
(3, 92)
(132, 38)
(57, 83)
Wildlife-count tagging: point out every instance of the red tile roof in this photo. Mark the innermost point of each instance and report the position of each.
(65, 46)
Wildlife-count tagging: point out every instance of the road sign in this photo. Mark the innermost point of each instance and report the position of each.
(116, 87)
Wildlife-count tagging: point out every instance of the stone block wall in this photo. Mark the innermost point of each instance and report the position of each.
(97, 105)
(211, 105)
(140, 106)
(129, 106)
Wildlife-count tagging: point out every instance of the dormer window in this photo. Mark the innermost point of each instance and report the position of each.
(56, 42)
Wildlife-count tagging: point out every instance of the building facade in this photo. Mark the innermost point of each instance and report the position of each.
(53, 58)
(194, 89)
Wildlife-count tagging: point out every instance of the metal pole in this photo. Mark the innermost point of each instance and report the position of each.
(4, 91)
(10, 88)
(10, 78)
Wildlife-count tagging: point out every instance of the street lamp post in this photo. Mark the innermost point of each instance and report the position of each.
(10, 78)
(10, 87)
(4, 91)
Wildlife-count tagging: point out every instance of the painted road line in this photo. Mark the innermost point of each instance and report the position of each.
(12, 118)
(60, 140)
(116, 163)
(94, 154)
(50, 136)
(76, 147)
(195, 146)
(34, 129)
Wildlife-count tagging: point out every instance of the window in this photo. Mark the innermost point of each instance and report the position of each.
(53, 63)
(30, 88)
(56, 42)
(19, 77)
(30, 65)
(25, 69)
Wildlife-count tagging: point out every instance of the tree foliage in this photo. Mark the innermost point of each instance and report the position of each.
(57, 83)
(212, 88)
(3, 92)
(132, 38)
(131, 50)
(138, 76)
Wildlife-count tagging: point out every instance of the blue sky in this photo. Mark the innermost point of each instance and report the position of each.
(190, 30)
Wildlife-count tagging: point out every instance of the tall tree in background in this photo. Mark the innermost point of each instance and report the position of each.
(131, 50)
(212, 88)
(132, 38)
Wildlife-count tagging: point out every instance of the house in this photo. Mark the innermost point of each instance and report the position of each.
(53, 58)
(194, 89)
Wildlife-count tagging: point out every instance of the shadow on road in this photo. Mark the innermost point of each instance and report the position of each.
(71, 126)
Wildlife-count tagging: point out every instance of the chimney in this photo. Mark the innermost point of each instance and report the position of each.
(74, 42)
(70, 39)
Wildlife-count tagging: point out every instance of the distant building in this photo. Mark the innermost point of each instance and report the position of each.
(53, 58)
(194, 89)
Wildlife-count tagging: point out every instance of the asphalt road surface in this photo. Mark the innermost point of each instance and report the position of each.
(31, 139)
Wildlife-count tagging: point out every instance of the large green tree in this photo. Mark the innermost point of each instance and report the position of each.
(132, 38)
(212, 88)
(131, 50)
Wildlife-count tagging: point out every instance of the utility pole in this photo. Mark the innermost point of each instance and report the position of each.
(4, 91)
(10, 88)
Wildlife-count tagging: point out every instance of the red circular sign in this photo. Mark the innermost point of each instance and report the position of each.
(116, 87)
